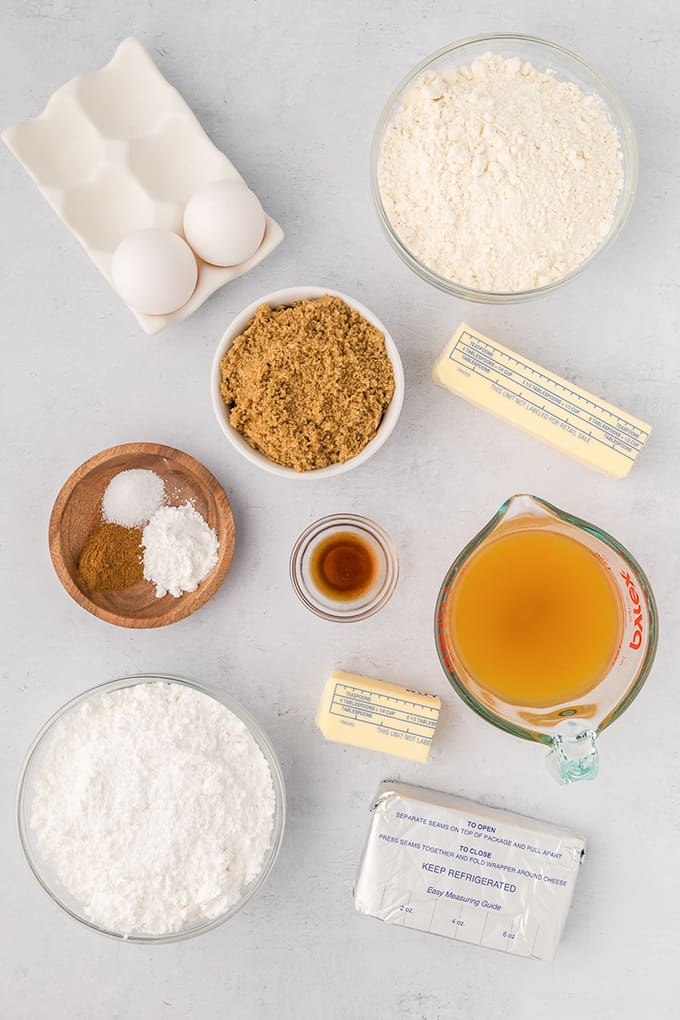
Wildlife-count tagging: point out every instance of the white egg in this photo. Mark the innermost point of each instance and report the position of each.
(224, 223)
(154, 271)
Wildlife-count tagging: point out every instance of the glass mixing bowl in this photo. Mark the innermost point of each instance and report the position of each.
(49, 881)
(544, 56)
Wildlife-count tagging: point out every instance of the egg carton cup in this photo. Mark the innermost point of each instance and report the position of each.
(119, 150)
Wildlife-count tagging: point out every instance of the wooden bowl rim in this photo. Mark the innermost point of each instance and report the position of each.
(185, 606)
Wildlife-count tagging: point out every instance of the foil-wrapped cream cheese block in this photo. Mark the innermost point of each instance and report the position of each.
(443, 864)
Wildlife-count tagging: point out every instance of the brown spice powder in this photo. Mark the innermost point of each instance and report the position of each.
(308, 384)
(111, 559)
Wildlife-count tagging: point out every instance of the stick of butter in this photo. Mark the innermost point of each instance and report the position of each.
(380, 716)
(477, 874)
(532, 398)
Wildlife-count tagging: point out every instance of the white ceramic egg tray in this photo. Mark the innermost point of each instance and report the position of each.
(119, 150)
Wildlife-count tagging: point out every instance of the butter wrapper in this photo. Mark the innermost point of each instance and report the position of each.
(534, 399)
(443, 864)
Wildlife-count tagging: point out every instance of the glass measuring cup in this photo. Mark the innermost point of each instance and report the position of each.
(569, 728)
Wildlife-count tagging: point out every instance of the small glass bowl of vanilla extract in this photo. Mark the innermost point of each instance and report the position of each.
(344, 568)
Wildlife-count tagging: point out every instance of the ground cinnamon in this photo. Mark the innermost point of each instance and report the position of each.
(111, 559)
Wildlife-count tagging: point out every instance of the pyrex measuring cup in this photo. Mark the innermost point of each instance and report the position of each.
(570, 729)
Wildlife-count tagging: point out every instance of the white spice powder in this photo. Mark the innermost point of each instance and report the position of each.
(180, 550)
(154, 806)
(499, 176)
(132, 497)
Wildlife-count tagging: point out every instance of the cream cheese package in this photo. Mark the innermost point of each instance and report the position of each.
(443, 864)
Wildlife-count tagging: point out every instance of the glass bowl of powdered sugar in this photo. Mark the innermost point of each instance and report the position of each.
(502, 166)
(151, 809)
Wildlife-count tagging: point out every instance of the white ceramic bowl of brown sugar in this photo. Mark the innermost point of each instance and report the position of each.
(286, 298)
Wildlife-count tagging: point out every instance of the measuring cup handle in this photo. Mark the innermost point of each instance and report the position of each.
(573, 758)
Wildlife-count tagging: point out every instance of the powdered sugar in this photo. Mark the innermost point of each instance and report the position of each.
(154, 805)
(499, 176)
(180, 550)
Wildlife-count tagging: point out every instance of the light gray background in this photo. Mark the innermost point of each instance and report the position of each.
(291, 92)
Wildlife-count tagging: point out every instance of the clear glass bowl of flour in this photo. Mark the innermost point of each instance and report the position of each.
(543, 56)
(45, 874)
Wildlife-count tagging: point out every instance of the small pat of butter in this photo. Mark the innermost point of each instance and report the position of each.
(536, 400)
(377, 715)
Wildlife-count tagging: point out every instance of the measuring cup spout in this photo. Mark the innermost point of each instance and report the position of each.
(523, 505)
(574, 757)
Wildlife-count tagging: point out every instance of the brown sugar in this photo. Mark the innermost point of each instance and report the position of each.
(308, 384)
(111, 559)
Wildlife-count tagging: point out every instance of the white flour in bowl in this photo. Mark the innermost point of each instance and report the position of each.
(154, 806)
(498, 176)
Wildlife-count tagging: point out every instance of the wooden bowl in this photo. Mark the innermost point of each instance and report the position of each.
(77, 512)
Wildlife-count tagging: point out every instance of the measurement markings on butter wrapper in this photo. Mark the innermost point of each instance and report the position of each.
(524, 384)
(382, 710)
